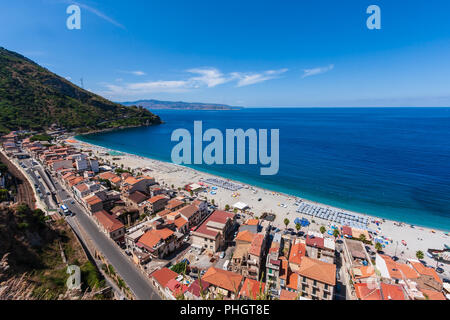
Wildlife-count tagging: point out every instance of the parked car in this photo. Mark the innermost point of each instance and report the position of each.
(439, 270)
(222, 255)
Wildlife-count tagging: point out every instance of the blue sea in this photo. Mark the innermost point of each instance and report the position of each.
(389, 162)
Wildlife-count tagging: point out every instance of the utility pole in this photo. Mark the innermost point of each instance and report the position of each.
(82, 84)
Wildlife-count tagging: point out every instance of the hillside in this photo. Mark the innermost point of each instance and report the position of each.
(32, 266)
(32, 97)
(156, 104)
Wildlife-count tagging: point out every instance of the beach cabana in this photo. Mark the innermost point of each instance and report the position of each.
(240, 206)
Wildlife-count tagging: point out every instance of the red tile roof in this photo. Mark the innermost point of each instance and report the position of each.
(173, 203)
(180, 222)
(223, 279)
(392, 292)
(152, 237)
(255, 247)
(176, 287)
(157, 198)
(292, 281)
(318, 270)
(245, 236)
(163, 276)
(298, 251)
(251, 289)
(433, 295)
(392, 267)
(363, 292)
(421, 269)
(137, 197)
(288, 295)
(195, 289)
(108, 221)
(316, 242)
(407, 271)
(188, 211)
(216, 216)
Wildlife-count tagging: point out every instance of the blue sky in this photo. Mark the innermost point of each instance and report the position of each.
(251, 53)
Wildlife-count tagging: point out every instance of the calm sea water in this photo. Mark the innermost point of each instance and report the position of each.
(389, 162)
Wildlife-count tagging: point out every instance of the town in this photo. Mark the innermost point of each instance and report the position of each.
(185, 247)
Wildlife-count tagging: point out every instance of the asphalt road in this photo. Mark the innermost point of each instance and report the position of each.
(135, 280)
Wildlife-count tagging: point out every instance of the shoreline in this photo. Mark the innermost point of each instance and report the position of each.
(266, 191)
(392, 231)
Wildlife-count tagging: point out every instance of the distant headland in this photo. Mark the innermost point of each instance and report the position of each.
(179, 105)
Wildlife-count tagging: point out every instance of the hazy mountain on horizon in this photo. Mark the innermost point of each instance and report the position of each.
(157, 104)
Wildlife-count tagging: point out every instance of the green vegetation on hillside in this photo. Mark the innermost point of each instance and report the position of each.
(41, 137)
(31, 97)
(34, 247)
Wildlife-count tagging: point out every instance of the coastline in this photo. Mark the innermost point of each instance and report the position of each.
(417, 237)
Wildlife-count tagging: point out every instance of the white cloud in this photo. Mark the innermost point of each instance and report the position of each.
(135, 73)
(211, 77)
(138, 73)
(316, 71)
(246, 79)
(202, 77)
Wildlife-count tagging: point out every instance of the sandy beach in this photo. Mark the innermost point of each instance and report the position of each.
(416, 238)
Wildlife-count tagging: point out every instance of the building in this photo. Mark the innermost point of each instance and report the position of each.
(110, 225)
(92, 203)
(137, 201)
(160, 278)
(273, 265)
(202, 207)
(223, 283)
(160, 242)
(297, 252)
(157, 203)
(212, 234)
(191, 213)
(111, 177)
(84, 189)
(253, 290)
(198, 290)
(319, 247)
(174, 205)
(142, 184)
(249, 254)
(317, 279)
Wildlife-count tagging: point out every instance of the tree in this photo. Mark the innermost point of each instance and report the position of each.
(298, 226)
(336, 233)
(212, 201)
(378, 247)
(419, 255)
(227, 207)
(322, 229)
(286, 222)
(362, 237)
